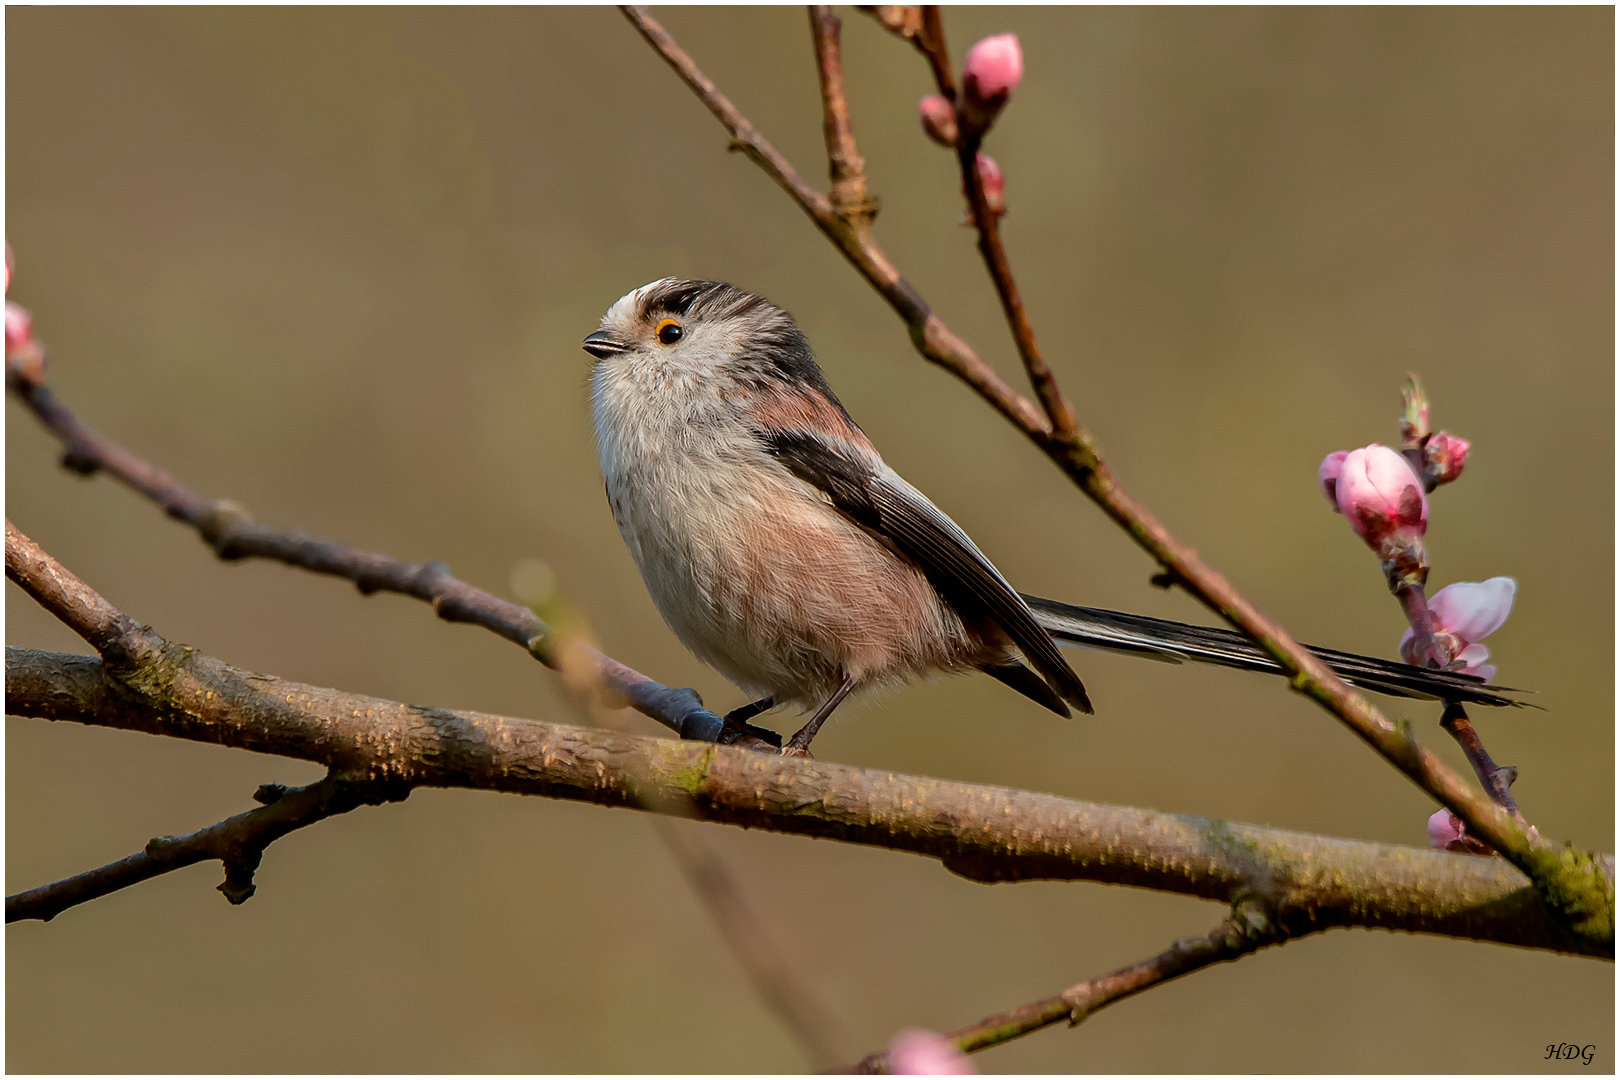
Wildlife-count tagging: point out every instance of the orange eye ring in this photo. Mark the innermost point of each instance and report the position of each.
(669, 332)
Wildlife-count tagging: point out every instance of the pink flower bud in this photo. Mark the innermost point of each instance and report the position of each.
(1380, 495)
(8, 267)
(19, 327)
(1445, 829)
(995, 185)
(938, 119)
(915, 1052)
(1444, 456)
(1463, 614)
(993, 69)
(1327, 474)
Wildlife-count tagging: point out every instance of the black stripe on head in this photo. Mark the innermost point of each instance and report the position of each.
(775, 340)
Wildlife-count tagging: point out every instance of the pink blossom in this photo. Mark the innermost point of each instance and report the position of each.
(1444, 456)
(938, 119)
(915, 1052)
(1327, 474)
(1462, 614)
(994, 67)
(1445, 830)
(1380, 495)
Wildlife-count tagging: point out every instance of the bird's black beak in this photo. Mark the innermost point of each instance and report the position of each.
(601, 345)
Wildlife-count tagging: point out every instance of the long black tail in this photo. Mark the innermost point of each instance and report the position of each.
(1174, 642)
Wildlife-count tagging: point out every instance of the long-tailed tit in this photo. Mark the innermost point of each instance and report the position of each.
(785, 553)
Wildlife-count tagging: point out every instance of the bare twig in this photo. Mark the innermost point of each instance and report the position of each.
(845, 166)
(237, 842)
(228, 530)
(1563, 879)
(779, 984)
(987, 221)
(1498, 779)
(1247, 929)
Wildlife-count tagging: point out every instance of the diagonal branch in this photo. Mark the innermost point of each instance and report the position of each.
(237, 842)
(226, 528)
(1246, 930)
(1567, 879)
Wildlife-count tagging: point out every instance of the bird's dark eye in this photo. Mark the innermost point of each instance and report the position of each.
(669, 331)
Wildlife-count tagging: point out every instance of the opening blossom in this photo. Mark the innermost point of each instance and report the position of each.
(1462, 614)
(915, 1052)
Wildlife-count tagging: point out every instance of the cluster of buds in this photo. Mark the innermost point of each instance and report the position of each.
(25, 357)
(1437, 457)
(1382, 498)
(993, 70)
(1383, 493)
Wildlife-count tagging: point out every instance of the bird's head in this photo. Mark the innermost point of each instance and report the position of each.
(704, 330)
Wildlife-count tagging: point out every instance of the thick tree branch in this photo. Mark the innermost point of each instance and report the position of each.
(984, 833)
(228, 530)
(237, 842)
(1568, 878)
(1247, 929)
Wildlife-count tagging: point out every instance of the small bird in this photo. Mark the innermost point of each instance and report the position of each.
(786, 554)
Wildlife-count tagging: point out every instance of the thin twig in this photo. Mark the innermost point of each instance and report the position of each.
(845, 166)
(1078, 456)
(1245, 931)
(987, 221)
(228, 530)
(1498, 779)
(237, 842)
(774, 976)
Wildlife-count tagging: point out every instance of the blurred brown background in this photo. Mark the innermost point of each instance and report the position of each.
(336, 264)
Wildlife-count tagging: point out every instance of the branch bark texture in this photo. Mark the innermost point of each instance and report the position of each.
(985, 833)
